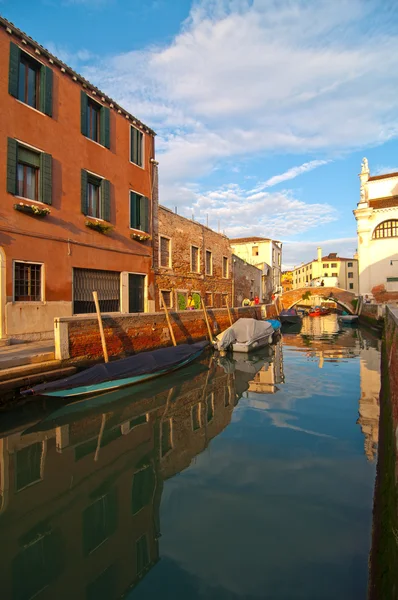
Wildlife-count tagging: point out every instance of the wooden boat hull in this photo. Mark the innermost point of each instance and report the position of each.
(69, 391)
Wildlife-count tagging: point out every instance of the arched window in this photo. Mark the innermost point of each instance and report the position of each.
(386, 229)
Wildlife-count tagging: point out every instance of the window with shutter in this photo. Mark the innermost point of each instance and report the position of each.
(29, 80)
(136, 146)
(29, 173)
(225, 267)
(165, 255)
(94, 120)
(139, 212)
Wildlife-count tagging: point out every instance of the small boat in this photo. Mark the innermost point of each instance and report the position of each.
(347, 319)
(319, 311)
(119, 373)
(289, 315)
(245, 335)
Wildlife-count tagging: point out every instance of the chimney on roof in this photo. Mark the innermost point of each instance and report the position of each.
(319, 254)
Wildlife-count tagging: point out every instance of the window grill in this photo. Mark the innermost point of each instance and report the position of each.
(105, 283)
(27, 282)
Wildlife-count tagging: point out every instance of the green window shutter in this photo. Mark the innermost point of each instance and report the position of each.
(46, 177)
(46, 90)
(12, 154)
(83, 112)
(106, 200)
(105, 127)
(144, 214)
(15, 54)
(84, 199)
(134, 208)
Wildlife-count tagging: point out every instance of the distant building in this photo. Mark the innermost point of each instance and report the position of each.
(247, 281)
(190, 258)
(331, 270)
(264, 253)
(287, 281)
(377, 227)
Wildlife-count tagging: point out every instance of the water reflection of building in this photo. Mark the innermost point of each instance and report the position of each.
(270, 375)
(369, 409)
(79, 503)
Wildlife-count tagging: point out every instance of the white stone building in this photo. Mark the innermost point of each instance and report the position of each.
(266, 254)
(377, 228)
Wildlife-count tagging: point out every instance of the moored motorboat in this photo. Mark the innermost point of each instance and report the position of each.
(347, 319)
(319, 311)
(245, 335)
(120, 373)
(289, 315)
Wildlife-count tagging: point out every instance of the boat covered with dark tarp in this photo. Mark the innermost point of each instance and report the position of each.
(123, 372)
(289, 315)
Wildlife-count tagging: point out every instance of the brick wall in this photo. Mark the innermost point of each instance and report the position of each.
(178, 277)
(246, 280)
(78, 338)
(384, 554)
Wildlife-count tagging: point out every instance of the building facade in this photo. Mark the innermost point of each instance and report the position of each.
(332, 270)
(247, 281)
(377, 227)
(77, 175)
(265, 254)
(190, 258)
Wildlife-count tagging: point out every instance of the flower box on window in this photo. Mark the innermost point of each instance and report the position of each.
(140, 237)
(32, 209)
(99, 226)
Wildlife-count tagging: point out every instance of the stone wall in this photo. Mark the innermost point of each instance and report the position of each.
(294, 296)
(78, 338)
(384, 555)
(179, 277)
(246, 280)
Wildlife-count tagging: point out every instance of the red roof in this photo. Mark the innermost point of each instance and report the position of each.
(385, 176)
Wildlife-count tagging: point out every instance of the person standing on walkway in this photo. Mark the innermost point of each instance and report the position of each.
(190, 302)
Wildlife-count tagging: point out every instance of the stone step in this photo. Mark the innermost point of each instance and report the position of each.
(28, 369)
(19, 383)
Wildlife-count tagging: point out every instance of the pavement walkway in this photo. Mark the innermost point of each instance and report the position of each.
(29, 353)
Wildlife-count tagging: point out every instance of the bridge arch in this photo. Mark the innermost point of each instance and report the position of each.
(342, 297)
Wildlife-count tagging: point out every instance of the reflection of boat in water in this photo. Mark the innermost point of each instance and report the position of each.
(245, 335)
(292, 327)
(120, 373)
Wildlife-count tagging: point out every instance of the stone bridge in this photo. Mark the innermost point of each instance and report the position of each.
(319, 295)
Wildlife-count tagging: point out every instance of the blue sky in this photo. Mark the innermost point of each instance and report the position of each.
(263, 108)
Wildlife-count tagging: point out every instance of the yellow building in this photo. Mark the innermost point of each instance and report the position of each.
(332, 270)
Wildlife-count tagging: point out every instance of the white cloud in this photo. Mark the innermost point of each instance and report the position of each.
(383, 170)
(244, 77)
(242, 212)
(292, 173)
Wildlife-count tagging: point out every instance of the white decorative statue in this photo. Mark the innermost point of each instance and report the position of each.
(365, 166)
(363, 198)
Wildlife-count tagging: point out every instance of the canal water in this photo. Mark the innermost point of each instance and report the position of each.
(240, 478)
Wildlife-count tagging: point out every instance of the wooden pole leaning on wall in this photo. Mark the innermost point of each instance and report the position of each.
(101, 327)
(207, 320)
(229, 312)
(168, 320)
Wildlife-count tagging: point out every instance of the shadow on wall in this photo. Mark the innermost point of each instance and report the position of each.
(382, 276)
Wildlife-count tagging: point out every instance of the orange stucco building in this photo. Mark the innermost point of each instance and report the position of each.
(78, 183)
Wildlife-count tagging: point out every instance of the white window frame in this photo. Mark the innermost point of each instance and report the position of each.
(211, 262)
(42, 286)
(190, 258)
(170, 252)
(227, 274)
(142, 149)
(124, 291)
(171, 299)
